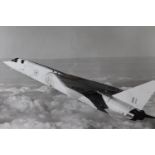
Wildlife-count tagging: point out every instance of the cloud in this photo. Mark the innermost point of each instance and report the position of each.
(41, 107)
(26, 124)
(44, 89)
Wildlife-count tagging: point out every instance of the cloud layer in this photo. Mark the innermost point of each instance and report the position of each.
(41, 107)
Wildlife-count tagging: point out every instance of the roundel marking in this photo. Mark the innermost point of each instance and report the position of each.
(49, 79)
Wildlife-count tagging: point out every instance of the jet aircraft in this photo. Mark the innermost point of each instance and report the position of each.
(103, 97)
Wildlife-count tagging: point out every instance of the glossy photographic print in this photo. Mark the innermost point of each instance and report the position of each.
(77, 77)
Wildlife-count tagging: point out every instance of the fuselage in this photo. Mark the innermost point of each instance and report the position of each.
(50, 77)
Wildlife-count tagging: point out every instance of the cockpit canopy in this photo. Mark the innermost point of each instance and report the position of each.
(17, 60)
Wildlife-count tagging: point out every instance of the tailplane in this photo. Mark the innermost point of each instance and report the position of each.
(137, 96)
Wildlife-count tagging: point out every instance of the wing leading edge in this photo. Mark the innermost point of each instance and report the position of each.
(83, 85)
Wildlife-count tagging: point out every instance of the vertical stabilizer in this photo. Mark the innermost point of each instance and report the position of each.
(137, 96)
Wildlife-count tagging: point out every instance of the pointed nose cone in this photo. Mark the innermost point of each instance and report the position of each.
(8, 63)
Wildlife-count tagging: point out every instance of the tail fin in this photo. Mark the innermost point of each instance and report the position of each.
(137, 96)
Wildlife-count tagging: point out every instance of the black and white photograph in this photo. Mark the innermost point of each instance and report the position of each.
(77, 77)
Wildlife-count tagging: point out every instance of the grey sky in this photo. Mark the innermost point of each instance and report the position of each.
(68, 42)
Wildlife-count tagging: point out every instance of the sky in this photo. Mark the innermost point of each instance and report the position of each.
(76, 42)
